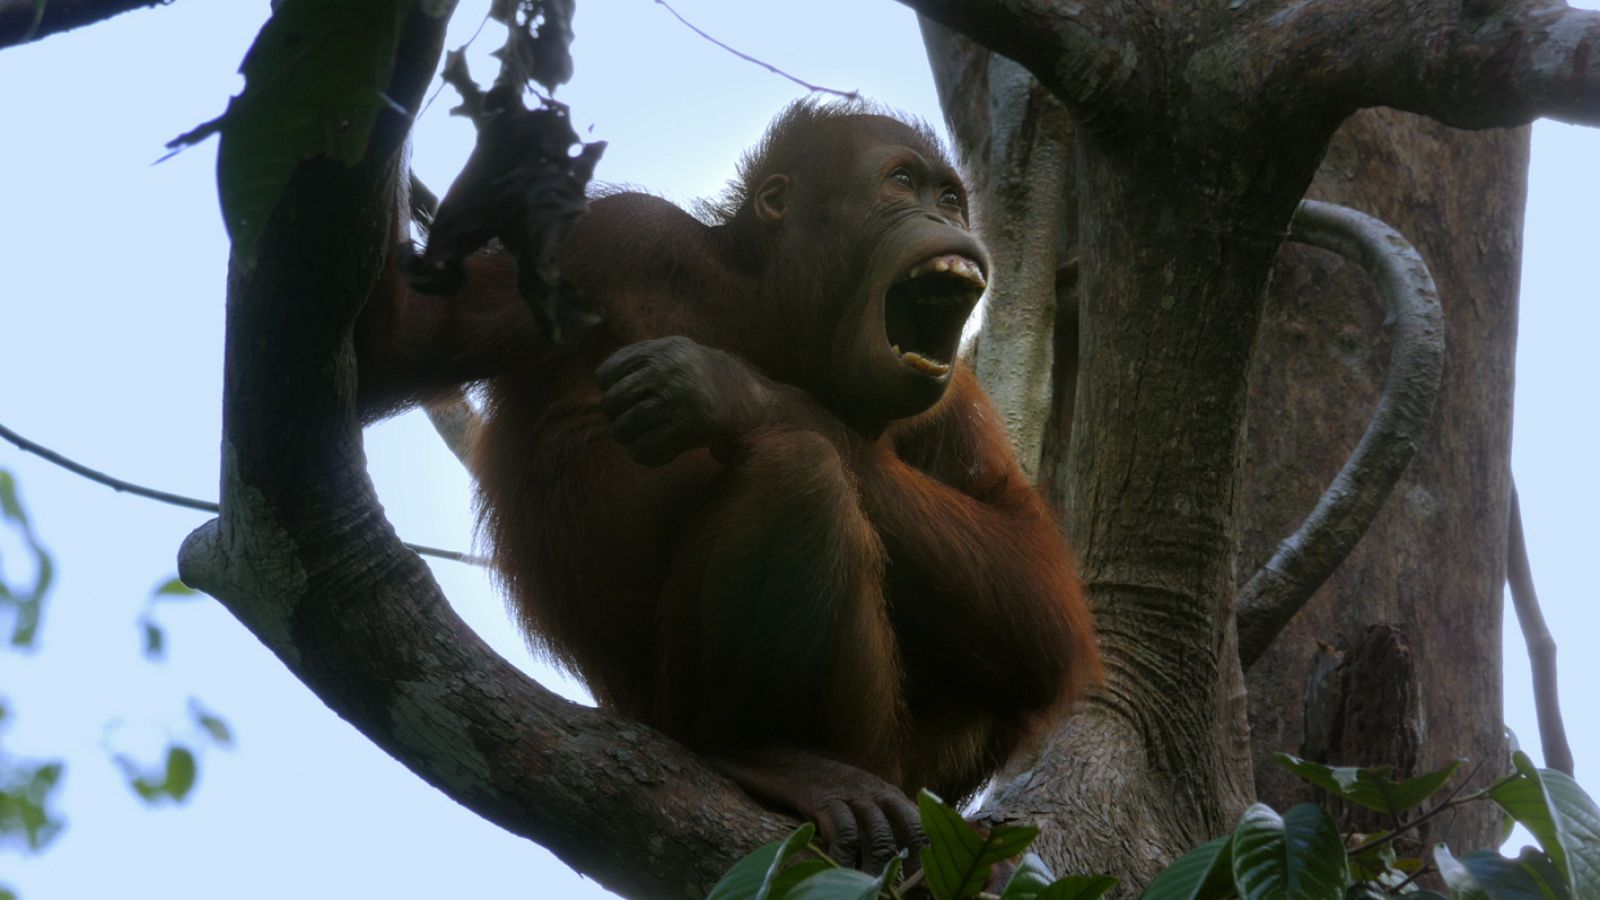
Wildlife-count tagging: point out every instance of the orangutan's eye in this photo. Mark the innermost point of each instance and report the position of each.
(902, 176)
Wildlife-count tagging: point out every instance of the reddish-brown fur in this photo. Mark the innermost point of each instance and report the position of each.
(884, 591)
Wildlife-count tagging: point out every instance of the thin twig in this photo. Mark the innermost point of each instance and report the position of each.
(1449, 802)
(115, 484)
(205, 506)
(817, 89)
(1541, 645)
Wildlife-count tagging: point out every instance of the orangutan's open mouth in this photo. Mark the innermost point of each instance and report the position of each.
(924, 310)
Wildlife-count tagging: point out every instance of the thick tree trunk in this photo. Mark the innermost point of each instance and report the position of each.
(1175, 496)
(1432, 567)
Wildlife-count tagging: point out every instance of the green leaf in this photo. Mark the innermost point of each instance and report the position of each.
(27, 603)
(25, 794)
(1508, 824)
(1579, 821)
(174, 783)
(1538, 862)
(181, 772)
(837, 884)
(1204, 873)
(1561, 816)
(1486, 875)
(147, 787)
(172, 587)
(213, 724)
(155, 640)
(796, 873)
(844, 884)
(9, 507)
(1079, 887)
(1295, 857)
(314, 85)
(1463, 885)
(1373, 787)
(751, 878)
(7, 894)
(1031, 877)
(958, 863)
(1376, 862)
(45, 778)
(1033, 880)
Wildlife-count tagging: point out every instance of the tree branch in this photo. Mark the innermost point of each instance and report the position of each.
(302, 555)
(1535, 59)
(1416, 364)
(813, 88)
(1557, 74)
(139, 490)
(22, 21)
(1541, 645)
(1081, 52)
(1484, 64)
(98, 477)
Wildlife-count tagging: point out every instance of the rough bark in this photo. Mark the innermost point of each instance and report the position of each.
(1432, 565)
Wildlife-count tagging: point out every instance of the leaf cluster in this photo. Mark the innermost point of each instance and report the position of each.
(958, 863)
(25, 793)
(1299, 855)
(525, 183)
(1302, 856)
(174, 776)
(317, 79)
(28, 787)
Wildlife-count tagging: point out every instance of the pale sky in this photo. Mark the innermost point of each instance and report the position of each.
(110, 352)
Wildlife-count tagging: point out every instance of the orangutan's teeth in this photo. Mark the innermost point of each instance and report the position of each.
(950, 263)
(896, 349)
(924, 365)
